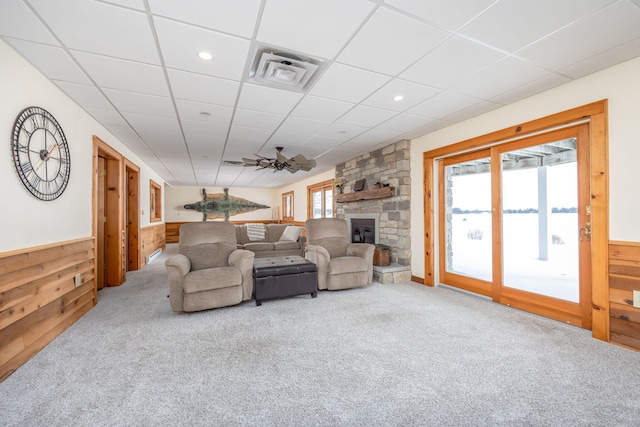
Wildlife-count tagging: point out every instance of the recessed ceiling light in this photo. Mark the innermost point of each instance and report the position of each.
(398, 98)
(205, 56)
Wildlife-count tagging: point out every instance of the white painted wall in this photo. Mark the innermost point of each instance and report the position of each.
(24, 220)
(619, 84)
(300, 193)
(177, 197)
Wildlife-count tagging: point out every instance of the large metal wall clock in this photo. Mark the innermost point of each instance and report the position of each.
(41, 153)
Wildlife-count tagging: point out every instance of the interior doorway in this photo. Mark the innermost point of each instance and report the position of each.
(108, 215)
(132, 220)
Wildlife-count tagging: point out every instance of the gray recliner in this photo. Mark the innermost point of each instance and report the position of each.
(340, 263)
(209, 271)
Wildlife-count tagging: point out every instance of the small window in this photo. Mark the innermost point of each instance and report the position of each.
(320, 200)
(156, 201)
(287, 206)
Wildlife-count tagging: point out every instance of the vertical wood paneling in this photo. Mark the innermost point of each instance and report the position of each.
(624, 278)
(152, 239)
(39, 298)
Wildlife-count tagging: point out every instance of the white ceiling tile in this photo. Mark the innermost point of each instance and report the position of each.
(233, 17)
(345, 83)
(526, 22)
(180, 44)
(342, 131)
(52, 61)
(269, 100)
(205, 128)
(257, 119)
(313, 107)
(312, 27)
(286, 138)
(405, 122)
(442, 105)
(366, 116)
(159, 139)
(189, 110)
(108, 118)
(603, 60)
(145, 121)
(104, 29)
(372, 136)
(389, 42)
(451, 62)
(16, 20)
(241, 135)
(472, 111)
(503, 76)
(413, 94)
(132, 102)
(133, 4)
(123, 74)
(302, 126)
(85, 95)
(199, 88)
(323, 142)
(548, 81)
(615, 25)
(448, 14)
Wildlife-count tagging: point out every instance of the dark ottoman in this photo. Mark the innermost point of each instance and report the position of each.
(284, 277)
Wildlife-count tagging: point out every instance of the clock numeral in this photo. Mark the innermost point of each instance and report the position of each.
(22, 148)
(35, 182)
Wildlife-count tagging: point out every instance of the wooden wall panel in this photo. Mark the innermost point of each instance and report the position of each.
(39, 298)
(152, 238)
(624, 278)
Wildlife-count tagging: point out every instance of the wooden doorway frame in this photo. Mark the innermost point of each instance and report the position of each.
(115, 238)
(596, 114)
(132, 173)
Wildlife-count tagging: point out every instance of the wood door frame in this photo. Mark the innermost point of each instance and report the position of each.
(133, 217)
(115, 230)
(596, 114)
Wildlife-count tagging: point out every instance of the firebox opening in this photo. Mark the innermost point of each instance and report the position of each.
(363, 230)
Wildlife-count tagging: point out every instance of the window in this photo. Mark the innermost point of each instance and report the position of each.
(287, 206)
(320, 200)
(155, 207)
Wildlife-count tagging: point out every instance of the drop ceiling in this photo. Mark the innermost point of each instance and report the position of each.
(134, 66)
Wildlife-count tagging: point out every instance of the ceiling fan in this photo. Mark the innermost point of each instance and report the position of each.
(281, 162)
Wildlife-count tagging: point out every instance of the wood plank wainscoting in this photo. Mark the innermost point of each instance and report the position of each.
(624, 278)
(152, 238)
(39, 298)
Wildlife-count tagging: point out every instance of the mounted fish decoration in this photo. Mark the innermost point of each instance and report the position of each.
(222, 205)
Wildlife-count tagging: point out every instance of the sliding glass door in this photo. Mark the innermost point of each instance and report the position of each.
(515, 225)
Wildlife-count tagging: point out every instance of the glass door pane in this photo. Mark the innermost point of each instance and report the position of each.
(467, 218)
(540, 220)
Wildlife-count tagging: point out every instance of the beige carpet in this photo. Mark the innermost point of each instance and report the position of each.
(385, 355)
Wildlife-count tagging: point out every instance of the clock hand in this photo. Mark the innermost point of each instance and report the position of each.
(46, 156)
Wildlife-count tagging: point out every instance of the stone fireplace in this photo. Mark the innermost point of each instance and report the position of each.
(387, 166)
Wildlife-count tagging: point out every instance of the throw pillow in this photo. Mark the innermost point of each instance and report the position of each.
(291, 233)
(255, 232)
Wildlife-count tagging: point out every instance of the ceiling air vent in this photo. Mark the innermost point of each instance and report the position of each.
(282, 69)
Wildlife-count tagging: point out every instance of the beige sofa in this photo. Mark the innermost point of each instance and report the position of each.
(272, 244)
